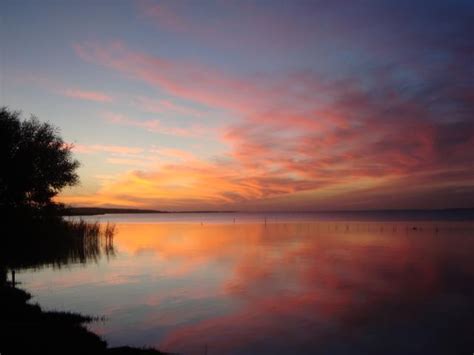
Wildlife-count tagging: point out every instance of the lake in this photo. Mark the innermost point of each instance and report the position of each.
(233, 283)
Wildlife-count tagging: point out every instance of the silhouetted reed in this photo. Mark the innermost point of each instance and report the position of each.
(37, 242)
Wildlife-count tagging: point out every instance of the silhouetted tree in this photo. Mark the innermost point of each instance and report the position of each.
(35, 162)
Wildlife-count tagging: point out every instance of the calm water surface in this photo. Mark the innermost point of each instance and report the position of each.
(297, 285)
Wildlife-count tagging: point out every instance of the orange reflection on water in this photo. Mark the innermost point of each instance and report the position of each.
(283, 288)
(300, 286)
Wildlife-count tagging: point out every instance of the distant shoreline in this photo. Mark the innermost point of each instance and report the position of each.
(449, 213)
(94, 211)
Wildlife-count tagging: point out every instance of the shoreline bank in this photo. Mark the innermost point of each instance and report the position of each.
(27, 329)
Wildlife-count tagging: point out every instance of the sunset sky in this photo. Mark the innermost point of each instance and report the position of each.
(251, 105)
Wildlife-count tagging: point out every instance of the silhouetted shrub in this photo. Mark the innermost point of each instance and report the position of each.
(35, 163)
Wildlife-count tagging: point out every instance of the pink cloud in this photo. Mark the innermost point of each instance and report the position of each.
(163, 14)
(255, 26)
(166, 107)
(297, 132)
(183, 79)
(60, 88)
(155, 126)
(88, 95)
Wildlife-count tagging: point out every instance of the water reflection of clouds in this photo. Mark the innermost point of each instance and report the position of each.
(327, 284)
(288, 288)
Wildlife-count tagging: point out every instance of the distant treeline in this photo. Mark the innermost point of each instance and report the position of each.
(90, 211)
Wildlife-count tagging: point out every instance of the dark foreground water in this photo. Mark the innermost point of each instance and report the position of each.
(275, 284)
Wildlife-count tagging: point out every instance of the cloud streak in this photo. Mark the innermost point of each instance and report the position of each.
(87, 95)
(154, 125)
(95, 148)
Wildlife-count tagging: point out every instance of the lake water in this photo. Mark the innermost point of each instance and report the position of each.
(275, 284)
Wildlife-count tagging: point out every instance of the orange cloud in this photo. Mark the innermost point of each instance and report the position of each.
(94, 148)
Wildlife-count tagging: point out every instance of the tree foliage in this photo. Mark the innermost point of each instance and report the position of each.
(35, 162)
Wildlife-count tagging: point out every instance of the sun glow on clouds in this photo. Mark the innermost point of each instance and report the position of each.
(300, 136)
(81, 148)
